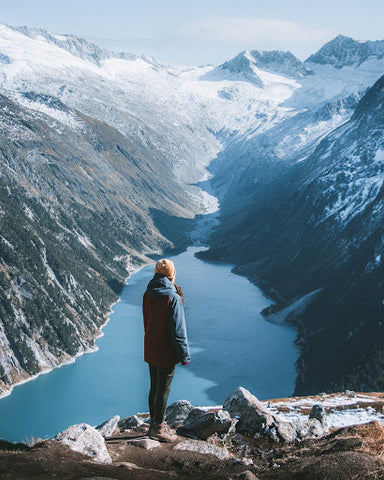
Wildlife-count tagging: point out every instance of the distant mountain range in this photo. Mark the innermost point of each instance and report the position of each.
(100, 152)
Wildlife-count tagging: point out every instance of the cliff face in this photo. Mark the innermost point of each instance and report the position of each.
(320, 227)
(77, 202)
(336, 453)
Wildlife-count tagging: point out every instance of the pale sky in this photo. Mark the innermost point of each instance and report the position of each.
(202, 31)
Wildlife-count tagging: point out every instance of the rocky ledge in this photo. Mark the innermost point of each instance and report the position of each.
(243, 439)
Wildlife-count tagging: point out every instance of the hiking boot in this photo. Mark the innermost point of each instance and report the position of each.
(153, 430)
(162, 433)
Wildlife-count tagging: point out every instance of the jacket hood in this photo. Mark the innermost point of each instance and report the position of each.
(160, 286)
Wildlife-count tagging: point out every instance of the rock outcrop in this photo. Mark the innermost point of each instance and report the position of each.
(106, 428)
(255, 419)
(87, 440)
(177, 412)
(350, 452)
(202, 424)
(129, 422)
(202, 447)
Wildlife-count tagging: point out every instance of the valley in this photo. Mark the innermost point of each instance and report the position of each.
(102, 155)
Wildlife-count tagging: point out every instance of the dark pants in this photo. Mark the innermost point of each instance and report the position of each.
(161, 380)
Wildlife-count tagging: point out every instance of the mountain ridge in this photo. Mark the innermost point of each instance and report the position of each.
(344, 51)
(75, 199)
(139, 115)
(319, 227)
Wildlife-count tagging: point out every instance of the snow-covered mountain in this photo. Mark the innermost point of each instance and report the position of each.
(246, 65)
(346, 52)
(120, 125)
(282, 63)
(77, 202)
(318, 229)
(177, 110)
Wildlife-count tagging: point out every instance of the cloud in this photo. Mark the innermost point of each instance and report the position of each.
(214, 39)
(253, 32)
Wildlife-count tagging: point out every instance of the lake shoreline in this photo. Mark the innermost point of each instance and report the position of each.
(258, 355)
(99, 334)
(109, 311)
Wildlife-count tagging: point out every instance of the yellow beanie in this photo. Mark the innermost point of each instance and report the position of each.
(166, 267)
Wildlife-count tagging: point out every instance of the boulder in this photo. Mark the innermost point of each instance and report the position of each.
(315, 426)
(177, 412)
(247, 475)
(253, 416)
(350, 393)
(318, 412)
(311, 428)
(284, 431)
(255, 419)
(130, 422)
(107, 428)
(87, 440)
(205, 448)
(202, 424)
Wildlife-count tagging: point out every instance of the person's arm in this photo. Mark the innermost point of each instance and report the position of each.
(178, 329)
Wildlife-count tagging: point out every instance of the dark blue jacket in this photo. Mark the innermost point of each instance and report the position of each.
(165, 339)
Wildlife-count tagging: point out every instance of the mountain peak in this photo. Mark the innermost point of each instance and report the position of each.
(246, 64)
(344, 51)
(242, 67)
(280, 62)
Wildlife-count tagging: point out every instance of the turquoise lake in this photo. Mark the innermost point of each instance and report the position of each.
(231, 345)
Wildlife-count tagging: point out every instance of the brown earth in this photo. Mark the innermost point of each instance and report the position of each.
(349, 453)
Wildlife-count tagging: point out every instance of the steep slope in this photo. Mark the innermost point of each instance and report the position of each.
(345, 51)
(77, 202)
(320, 226)
(317, 96)
(283, 63)
(108, 146)
(136, 95)
(187, 114)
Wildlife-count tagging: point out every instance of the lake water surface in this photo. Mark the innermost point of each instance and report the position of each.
(231, 346)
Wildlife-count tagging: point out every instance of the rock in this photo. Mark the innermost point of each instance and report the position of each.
(318, 412)
(177, 412)
(253, 416)
(315, 426)
(129, 422)
(247, 475)
(245, 461)
(255, 419)
(205, 448)
(286, 431)
(146, 443)
(98, 478)
(311, 428)
(107, 428)
(128, 465)
(202, 424)
(87, 440)
(350, 393)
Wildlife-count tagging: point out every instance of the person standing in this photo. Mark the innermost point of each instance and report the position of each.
(165, 342)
